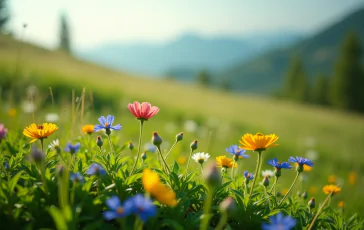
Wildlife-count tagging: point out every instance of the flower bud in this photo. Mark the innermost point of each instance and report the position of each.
(36, 155)
(6, 166)
(156, 139)
(130, 145)
(236, 158)
(265, 181)
(299, 168)
(278, 172)
(228, 205)
(99, 141)
(312, 203)
(144, 156)
(179, 137)
(193, 145)
(223, 170)
(108, 131)
(304, 195)
(211, 175)
(59, 170)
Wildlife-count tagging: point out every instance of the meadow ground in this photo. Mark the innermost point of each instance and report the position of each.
(334, 139)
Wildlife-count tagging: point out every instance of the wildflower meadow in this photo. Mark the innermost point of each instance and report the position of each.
(102, 180)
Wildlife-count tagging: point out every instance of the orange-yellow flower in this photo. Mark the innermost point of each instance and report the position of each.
(39, 131)
(341, 204)
(223, 161)
(88, 129)
(258, 142)
(306, 168)
(181, 160)
(312, 190)
(331, 188)
(160, 191)
(352, 178)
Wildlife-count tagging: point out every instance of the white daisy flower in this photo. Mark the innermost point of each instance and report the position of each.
(200, 157)
(268, 173)
(54, 144)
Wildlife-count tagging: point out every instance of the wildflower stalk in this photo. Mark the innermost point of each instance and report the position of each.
(256, 173)
(222, 221)
(138, 225)
(206, 210)
(289, 190)
(320, 209)
(139, 146)
(170, 150)
(110, 143)
(273, 189)
(164, 161)
(42, 143)
(188, 162)
(232, 170)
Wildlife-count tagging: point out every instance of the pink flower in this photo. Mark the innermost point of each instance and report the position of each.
(143, 111)
(3, 131)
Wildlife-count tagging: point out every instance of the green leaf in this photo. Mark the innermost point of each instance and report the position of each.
(14, 181)
(58, 218)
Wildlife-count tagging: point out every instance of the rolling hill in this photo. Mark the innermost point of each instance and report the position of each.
(265, 73)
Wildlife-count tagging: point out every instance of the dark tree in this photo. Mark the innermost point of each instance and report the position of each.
(296, 84)
(64, 34)
(204, 78)
(320, 91)
(347, 89)
(4, 15)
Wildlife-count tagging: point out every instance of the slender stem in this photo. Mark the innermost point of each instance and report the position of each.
(206, 210)
(232, 170)
(289, 190)
(222, 221)
(320, 209)
(42, 144)
(164, 161)
(139, 146)
(274, 186)
(111, 145)
(188, 162)
(170, 150)
(256, 173)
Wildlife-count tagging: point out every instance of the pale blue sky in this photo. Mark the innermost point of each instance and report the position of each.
(96, 22)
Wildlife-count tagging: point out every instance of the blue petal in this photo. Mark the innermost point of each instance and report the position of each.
(245, 173)
(77, 147)
(110, 119)
(98, 128)
(102, 120)
(286, 165)
(116, 127)
(272, 163)
(309, 163)
(113, 203)
(292, 159)
(267, 227)
(109, 215)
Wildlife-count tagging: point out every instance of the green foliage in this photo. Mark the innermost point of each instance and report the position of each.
(204, 78)
(320, 90)
(64, 34)
(348, 81)
(4, 16)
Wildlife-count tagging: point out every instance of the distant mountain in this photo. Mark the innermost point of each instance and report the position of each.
(265, 73)
(187, 52)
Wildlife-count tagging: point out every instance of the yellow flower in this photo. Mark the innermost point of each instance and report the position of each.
(223, 161)
(258, 142)
(312, 190)
(352, 178)
(160, 191)
(306, 168)
(331, 188)
(88, 129)
(332, 179)
(39, 131)
(284, 191)
(181, 160)
(341, 204)
(12, 112)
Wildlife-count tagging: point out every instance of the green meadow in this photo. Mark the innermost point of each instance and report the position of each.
(217, 119)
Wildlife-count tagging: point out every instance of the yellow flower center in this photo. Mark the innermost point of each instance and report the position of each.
(106, 124)
(120, 210)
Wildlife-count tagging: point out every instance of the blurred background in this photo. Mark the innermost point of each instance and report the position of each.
(217, 69)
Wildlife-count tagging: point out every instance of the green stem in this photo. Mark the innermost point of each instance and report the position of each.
(188, 162)
(222, 222)
(139, 146)
(289, 190)
(206, 210)
(256, 173)
(164, 161)
(232, 170)
(42, 144)
(274, 186)
(170, 150)
(111, 145)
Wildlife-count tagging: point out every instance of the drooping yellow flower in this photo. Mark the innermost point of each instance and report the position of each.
(352, 178)
(332, 179)
(160, 191)
(39, 131)
(306, 168)
(223, 161)
(331, 188)
(88, 129)
(258, 142)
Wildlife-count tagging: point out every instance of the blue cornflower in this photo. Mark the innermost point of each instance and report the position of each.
(106, 123)
(248, 176)
(237, 152)
(301, 161)
(116, 209)
(72, 148)
(144, 207)
(280, 222)
(6, 165)
(279, 165)
(77, 177)
(96, 169)
(150, 147)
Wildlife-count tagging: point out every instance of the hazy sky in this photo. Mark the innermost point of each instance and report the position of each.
(96, 22)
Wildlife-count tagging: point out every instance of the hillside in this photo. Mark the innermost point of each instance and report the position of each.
(188, 51)
(265, 73)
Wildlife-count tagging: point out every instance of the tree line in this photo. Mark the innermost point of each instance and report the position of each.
(343, 90)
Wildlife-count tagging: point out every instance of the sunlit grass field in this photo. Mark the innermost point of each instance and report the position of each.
(220, 118)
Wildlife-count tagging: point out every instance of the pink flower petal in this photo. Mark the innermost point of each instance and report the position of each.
(153, 111)
(137, 108)
(145, 107)
(132, 110)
